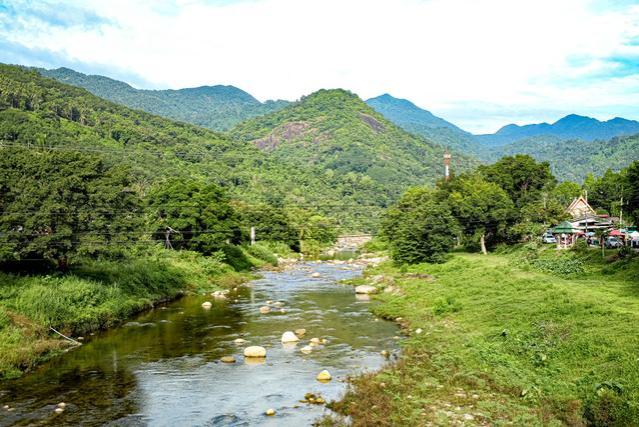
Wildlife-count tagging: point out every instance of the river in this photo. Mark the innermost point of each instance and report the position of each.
(163, 368)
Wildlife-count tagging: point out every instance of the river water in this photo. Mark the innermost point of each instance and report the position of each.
(163, 367)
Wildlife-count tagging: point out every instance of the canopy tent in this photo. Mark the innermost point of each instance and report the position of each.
(634, 235)
(565, 228)
(616, 233)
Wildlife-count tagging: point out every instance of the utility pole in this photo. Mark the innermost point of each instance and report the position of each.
(252, 236)
(167, 237)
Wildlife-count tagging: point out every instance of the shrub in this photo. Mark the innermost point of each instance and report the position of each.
(446, 305)
(610, 407)
(262, 252)
(235, 257)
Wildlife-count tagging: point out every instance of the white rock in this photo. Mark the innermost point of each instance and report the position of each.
(207, 304)
(255, 351)
(316, 275)
(239, 341)
(306, 349)
(58, 410)
(62, 405)
(270, 412)
(365, 289)
(418, 331)
(324, 376)
(265, 309)
(315, 341)
(289, 336)
(300, 332)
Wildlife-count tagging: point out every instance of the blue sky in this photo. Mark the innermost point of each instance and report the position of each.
(478, 64)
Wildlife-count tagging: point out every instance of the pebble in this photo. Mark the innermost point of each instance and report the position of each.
(58, 410)
(227, 359)
(306, 349)
(207, 304)
(62, 405)
(300, 332)
(324, 376)
(270, 412)
(5, 407)
(316, 275)
(265, 309)
(385, 353)
(418, 331)
(239, 341)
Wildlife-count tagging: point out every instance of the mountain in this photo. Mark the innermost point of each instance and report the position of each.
(421, 122)
(337, 132)
(213, 107)
(572, 159)
(572, 127)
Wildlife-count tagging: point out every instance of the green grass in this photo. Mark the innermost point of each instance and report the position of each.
(504, 342)
(98, 295)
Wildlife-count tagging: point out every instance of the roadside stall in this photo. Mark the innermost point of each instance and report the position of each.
(566, 235)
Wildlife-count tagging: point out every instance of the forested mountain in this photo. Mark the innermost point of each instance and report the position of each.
(214, 107)
(573, 159)
(337, 132)
(421, 122)
(570, 127)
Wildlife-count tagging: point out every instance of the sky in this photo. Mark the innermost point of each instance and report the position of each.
(480, 64)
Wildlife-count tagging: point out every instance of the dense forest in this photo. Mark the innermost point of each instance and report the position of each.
(213, 107)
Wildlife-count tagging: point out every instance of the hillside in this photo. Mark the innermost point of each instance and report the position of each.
(337, 132)
(573, 159)
(570, 127)
(44, 115)
(421, 122)
(213, 107)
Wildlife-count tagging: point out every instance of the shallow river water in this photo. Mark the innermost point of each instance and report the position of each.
(163, 368)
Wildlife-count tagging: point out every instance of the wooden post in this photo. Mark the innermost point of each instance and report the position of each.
(482, 242)
(252, 236)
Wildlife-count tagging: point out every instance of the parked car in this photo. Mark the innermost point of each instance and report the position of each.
(548, 238)
(612, 242)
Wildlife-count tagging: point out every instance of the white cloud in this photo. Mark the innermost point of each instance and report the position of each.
(450, 56)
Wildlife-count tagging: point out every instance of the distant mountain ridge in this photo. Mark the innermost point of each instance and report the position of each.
(421, 122)
(216, 107)
(572, 126)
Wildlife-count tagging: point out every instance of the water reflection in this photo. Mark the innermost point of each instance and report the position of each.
(163, 368)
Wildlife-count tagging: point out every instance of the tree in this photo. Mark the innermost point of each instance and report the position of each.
(419, 228)
(520, 176)
(57, 205)
(632, 185)
(482, 208)
(197, 216)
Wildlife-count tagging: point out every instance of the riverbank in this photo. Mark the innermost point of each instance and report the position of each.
(526, 338)
(98, 295)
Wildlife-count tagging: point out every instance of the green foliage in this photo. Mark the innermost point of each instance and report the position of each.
(520, 176)
(632, 186)
(419, 228)
(57, 205)
(262, 252)
(200, 215)
(213, 107)
(446, 305)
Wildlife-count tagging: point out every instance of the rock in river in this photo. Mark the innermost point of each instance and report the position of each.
(227, 359)
(365, 289)
(306, 349)
(289, 336)
(207, 304)
(316, 275)
(270, 412)
(300, 332)
(324, 376)
(255, 351)
(265, 309)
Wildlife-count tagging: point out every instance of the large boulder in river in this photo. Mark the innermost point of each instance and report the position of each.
(255, 351)
(289, 336)
(365, 289)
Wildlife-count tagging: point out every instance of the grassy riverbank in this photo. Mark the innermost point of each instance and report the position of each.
(100, 294)
(526, 338)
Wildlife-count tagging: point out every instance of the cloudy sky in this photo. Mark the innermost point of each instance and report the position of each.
(478, 63)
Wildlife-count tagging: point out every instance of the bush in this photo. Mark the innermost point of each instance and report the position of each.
(562, 266)
(262, 252)
(609, 407)
(446, 305)
(236, 258)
